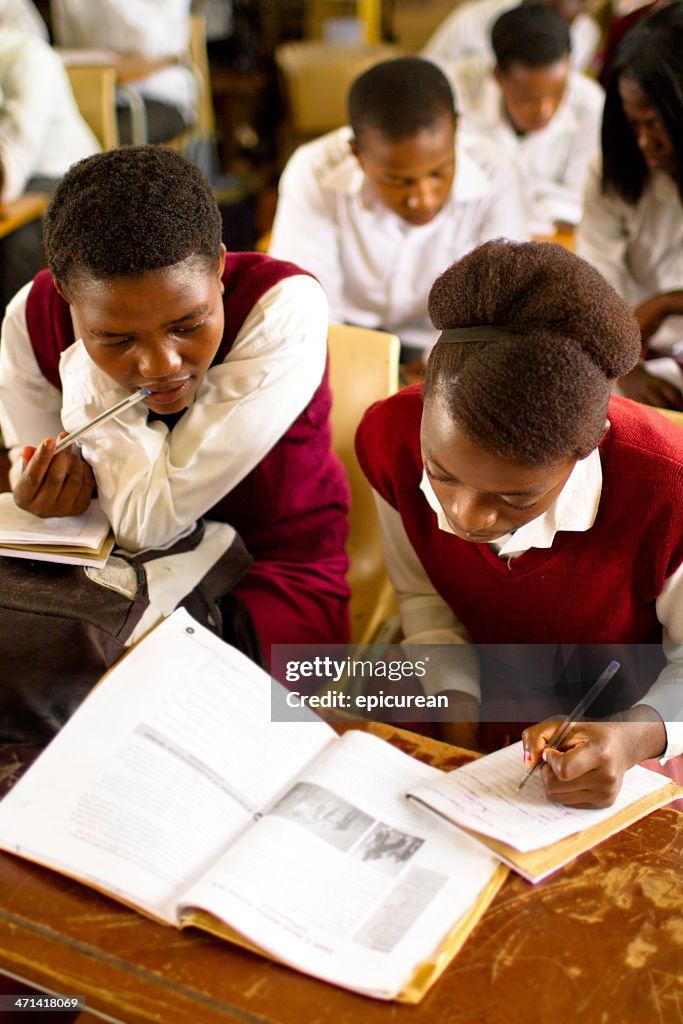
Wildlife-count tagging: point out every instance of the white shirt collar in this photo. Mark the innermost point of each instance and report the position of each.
(574, 509)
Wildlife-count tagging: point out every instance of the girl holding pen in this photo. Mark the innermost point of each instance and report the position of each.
(522, 505)
(141, 294)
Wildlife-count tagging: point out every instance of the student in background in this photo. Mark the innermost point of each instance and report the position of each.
(23, 16)
(632, 228)
(467, 31)
(376, 210)
(140, 293)
(156, 31)
(41, 134)
(535, 106)
(522, 505)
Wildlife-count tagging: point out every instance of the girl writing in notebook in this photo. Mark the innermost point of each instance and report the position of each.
(522, 505)
(140, 293)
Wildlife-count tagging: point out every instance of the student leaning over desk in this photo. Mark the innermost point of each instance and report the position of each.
(141, 293)
(520, 504)
(378, 209)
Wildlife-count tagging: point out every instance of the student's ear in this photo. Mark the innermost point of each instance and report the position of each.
(498, 75)
(60, 288)
(221, 262)
(356, 150)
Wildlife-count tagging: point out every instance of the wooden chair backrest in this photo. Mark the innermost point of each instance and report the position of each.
(94, 87)
(363, 370)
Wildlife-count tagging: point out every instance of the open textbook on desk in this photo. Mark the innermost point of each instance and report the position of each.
(172, 790)
(530, 834)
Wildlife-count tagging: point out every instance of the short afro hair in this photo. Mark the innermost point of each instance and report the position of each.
(128, 211)
(532, 35)
(540, 398)
(399, 98)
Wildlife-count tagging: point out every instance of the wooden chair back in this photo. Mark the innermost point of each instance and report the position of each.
(363, 370)
(94, 87)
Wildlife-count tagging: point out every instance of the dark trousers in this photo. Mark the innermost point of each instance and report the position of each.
(164, 122)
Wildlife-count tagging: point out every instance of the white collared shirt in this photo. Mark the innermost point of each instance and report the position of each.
(427, 619)
(639, 248)
(153, 484)
(468, 31)
(41, 130)
(555, 159)
(376, 268)
(138, 28)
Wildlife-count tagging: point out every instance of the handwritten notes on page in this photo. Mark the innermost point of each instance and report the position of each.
(483, 796)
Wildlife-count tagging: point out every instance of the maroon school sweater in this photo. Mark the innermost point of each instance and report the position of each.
(293, 505)
(594, 587)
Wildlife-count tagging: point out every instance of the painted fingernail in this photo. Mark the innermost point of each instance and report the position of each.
(527, 757)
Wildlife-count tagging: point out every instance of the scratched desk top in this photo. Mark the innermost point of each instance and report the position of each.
(600, 942)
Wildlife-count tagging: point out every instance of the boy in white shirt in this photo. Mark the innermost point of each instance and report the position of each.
(467, 31)
(534, 105)
(376, 210)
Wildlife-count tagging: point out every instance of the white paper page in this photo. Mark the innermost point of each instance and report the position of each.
(344, 877)
(483, 795)
(20, 527)
(159, 769)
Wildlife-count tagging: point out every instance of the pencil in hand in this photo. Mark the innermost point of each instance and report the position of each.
(125, 403)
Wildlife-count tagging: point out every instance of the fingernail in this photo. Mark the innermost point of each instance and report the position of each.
(527, 757)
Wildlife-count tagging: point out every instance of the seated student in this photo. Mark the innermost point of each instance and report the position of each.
(140, 293)
(156, 31)
(467, 31)
(377, 210)
(41, 134)
(521, 505)
(23, 16)
(533, 104)
(632, 228)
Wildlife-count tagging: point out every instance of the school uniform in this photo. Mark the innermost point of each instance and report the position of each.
(555, 159)
(602, 566)
(253, 449)
(639, 247)
(41, 134)
(375, 267)
(146, 28)
(468, 31)
(41, 130)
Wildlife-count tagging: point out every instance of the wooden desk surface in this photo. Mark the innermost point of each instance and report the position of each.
(602, 941)
(20, 211)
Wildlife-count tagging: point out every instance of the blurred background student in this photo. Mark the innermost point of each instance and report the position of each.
(632, 228)
(376, 209)
(534, 105)
(468, 31)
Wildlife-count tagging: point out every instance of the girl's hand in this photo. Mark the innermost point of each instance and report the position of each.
(54, 485)
(588, 768)
(652, 313)
(644, 387)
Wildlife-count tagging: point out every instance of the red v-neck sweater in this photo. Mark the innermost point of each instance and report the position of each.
(592, 587)
(597, 586)
(293, 505)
